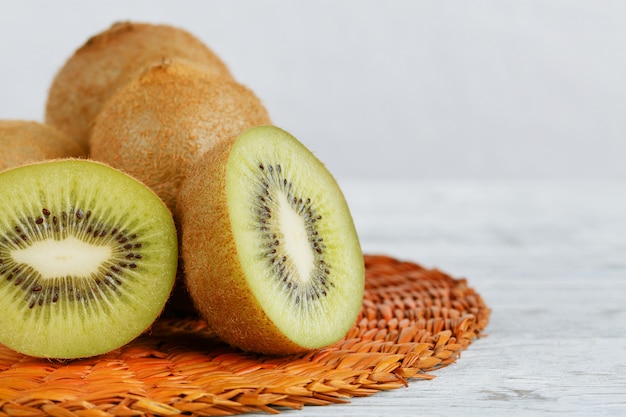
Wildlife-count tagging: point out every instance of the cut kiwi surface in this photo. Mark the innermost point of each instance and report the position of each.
(88, 257)
(272, 257)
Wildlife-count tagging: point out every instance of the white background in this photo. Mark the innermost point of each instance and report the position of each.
(385, 89)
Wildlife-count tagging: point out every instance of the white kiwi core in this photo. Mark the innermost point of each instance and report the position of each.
(296, 240)
(61, 258)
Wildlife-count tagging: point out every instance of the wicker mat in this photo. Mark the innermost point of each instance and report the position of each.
(413, 321)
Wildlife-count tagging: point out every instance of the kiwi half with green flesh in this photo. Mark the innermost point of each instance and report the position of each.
(161, 122)
(271, 255)
(88, 257)
(111, 59)
(24, 141)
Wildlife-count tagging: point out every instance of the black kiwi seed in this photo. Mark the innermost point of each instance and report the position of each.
(72, 222)
(272, 179)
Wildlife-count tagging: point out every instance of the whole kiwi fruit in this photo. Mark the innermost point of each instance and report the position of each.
(111, 59)
(156, 126)
(271, 255)
(24, 141)
(88, 258)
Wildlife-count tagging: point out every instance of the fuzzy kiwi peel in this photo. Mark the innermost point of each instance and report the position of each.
(27, 141)
(88, 257)
(109, 60)
(156, 126)
(271, 255)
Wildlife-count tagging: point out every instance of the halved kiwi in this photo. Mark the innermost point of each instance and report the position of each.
(111, 59)
(271, 255)
(88, 257)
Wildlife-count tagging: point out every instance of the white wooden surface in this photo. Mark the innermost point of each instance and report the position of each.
(549, 259)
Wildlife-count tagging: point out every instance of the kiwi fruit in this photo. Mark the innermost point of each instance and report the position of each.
(25, 141)
(271, 255)
(111, 59)
(88, 257)
(157, 125)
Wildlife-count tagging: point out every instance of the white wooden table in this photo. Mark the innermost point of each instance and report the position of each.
(548, 258)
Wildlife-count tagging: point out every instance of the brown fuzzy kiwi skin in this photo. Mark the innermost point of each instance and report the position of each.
(155, 127)
(28, 141)
(111, 59)
(214, 282)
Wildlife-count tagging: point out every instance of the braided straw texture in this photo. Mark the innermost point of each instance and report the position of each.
(413, 321)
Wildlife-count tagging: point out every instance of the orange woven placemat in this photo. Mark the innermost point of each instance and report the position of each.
(413, 321)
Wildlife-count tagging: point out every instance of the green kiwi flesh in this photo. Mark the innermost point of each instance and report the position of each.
(272, 257)
(88, 257)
